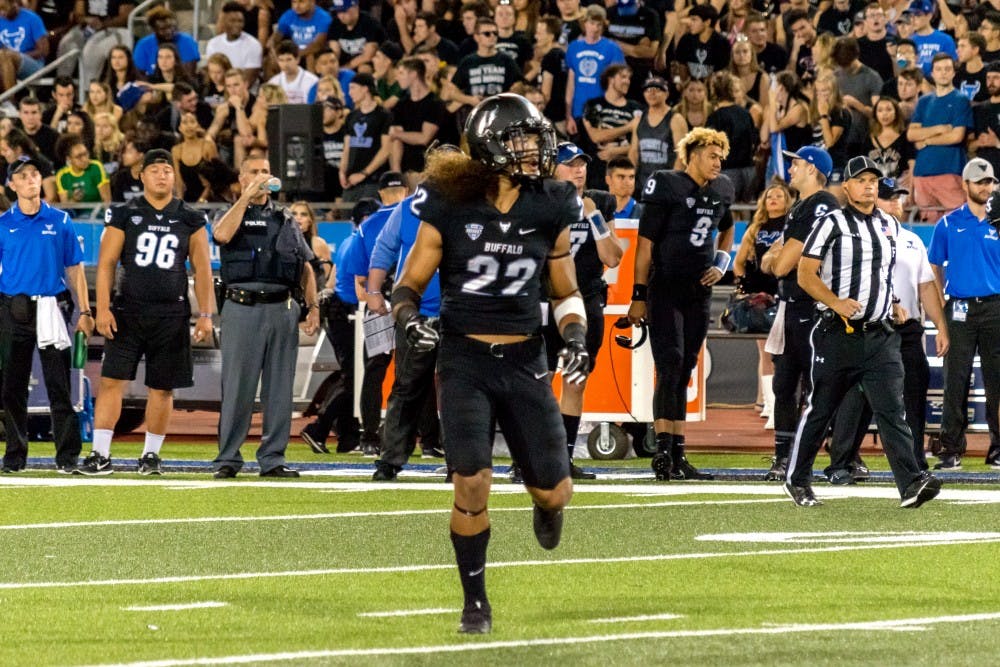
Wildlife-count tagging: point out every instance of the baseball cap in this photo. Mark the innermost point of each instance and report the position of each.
(993, 67)
(628, 7)
(978, 170)
(157, 156)
(366, 80)
(391, 179)
(815, 156)
(888, 188)
(343, 5)
(922, 7)
(859, 165)
(22, 162)
(595, 12)
(333, 102)
(859, 18)
(365, 207)
(568, 151)
(391, 50)
(656, 82)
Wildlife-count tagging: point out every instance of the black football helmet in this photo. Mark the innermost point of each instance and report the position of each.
(993, 209)
(496, 132)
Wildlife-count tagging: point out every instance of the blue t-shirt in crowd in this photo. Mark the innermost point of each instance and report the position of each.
(393, 245)
(971, 247)
(343, 284)
(952, 109)
(21, 32)
(587, 61)
(930, 45)
(358, 260)
(344, 77)
(146, 48)
(303, 31)
(35, 251)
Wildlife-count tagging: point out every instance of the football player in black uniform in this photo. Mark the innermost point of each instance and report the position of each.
(152, 236)
(678, 258)
(789, 341)
(492, 224)
(593, 245)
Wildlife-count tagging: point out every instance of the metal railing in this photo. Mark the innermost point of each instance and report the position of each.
(27, 81)
(133, 15)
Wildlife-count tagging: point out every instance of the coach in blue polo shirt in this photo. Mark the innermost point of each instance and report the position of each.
(965, 256)
(40, 258)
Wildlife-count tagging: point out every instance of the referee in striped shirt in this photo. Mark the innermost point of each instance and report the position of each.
(847, 266)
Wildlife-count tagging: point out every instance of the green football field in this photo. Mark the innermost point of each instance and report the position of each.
(186, 570)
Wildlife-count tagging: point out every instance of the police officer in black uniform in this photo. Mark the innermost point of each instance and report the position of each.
(847, 267)
(677, 260)
(493, 224)
(264, 259)
(809, 170)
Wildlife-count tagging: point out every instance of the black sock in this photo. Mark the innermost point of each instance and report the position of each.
(664, 442)
(782, 446)
(677, 450)
(470, 554)
(572, 424)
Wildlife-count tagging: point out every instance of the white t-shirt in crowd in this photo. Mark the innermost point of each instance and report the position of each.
(297, 89)
(244, 53)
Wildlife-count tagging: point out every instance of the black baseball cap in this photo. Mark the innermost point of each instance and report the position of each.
(859, 165)
(657, 82)
(157, 156)
(391, 179)
(391, 50)
(888, 188)
(22, 162)
(366, 80)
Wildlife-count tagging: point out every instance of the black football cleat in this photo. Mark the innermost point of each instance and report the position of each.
(548, 527)
(661, 465)
(576, 472)
(384, 472)
(778, 471)
(515, 473)
(477, 620)
(923, 488)
(802, 496)
(682, 469)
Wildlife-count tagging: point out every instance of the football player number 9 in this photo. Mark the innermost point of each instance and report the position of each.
(150, 248)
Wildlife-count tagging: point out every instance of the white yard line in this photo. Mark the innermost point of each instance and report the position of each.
(177, 607)
(862, 626)
(407, 612)
(397, 569)
(636, 619)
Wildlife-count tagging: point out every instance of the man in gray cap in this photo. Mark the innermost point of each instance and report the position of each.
(965, 255)
(847, 265)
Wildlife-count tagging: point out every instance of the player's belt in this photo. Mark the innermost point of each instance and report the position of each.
(250, 297)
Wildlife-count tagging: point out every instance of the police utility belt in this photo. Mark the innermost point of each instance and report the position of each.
(830, 317)
(248, 297)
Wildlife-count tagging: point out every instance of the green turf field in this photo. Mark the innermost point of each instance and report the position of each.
(188, 570)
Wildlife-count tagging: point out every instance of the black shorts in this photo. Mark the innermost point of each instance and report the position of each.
(165, 342)
(594, 306)
(477, 386)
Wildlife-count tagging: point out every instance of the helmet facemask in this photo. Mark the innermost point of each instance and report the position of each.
(530, 149)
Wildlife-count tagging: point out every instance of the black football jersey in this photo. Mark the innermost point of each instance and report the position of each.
(492, 262)
(681, 218)
(802, 218)
(589, 267)
(154, 278)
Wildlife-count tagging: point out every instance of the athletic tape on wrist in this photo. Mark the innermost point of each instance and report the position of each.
(598, 225)
(571, 305)
(721, 261)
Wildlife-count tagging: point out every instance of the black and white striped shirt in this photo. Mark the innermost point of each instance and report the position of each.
(857, 252)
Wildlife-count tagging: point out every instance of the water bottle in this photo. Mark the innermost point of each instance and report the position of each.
(273, 184)
(79, 349)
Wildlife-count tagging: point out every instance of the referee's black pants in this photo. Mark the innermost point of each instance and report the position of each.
(791, 373)
(979, 332)
(854, 414)
(412, 389)
(840, 361)
(678, 315)
(19, 340)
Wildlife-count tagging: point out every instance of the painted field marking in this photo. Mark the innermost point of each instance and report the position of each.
(861, 626)
(636, 619)
(177, 607)
(407, 612)
(354, 515)
(398, 569)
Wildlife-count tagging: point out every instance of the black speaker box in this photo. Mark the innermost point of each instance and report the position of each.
(295, 146)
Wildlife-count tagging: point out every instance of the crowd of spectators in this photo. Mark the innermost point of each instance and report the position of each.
(913, 84)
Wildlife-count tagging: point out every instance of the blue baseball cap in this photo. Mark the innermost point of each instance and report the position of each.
(343, 5)
(815, 156)
(922, 7)
(568, 151)
(628, 7)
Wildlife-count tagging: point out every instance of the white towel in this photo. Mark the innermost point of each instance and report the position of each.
(50, 327)
(776, 337)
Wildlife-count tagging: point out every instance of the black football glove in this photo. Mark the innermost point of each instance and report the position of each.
(574, 360)
(421, 334)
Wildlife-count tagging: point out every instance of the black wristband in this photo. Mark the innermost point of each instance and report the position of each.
(639, 293)
(574, 332)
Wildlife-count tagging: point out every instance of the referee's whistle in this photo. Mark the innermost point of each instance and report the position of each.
(847, 325)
